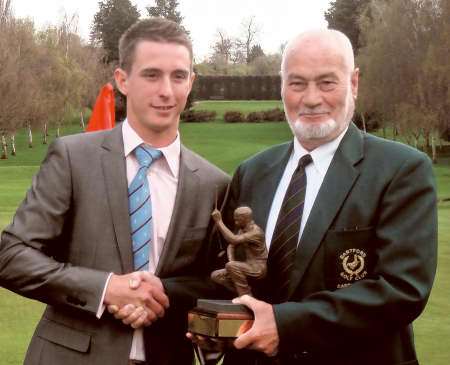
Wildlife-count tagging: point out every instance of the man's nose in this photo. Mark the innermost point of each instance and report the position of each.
(165, 87)
(312, 96)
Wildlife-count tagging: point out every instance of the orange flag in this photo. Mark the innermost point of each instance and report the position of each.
(103, 115)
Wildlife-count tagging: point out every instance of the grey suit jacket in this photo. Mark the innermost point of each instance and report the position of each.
(72, 229)
(376, 209)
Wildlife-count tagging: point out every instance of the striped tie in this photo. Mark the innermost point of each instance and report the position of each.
(140, 207)
(285, 236)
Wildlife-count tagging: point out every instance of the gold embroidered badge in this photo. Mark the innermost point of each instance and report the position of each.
(353, 262)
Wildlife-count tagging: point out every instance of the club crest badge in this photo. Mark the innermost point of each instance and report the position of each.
(354, 265)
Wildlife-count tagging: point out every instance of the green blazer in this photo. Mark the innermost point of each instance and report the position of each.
(73, 228)
(366, 260)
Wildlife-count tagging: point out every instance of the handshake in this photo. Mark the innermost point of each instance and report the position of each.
(137, 299)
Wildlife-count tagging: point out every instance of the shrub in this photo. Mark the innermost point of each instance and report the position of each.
(233, 116)
(274, 115)
(255, 117)
(189, 116)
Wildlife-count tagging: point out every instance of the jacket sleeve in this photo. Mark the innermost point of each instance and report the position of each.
(33, 248)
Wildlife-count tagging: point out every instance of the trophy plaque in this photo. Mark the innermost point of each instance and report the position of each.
(219, 319)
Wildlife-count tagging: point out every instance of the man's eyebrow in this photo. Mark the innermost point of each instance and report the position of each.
(328, 75)
(295, 77)
(150, 70)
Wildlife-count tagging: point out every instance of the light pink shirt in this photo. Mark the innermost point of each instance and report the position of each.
(163, 181)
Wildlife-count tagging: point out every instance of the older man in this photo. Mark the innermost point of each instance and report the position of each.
(350, 221)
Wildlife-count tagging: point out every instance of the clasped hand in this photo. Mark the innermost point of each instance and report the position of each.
(137, 299)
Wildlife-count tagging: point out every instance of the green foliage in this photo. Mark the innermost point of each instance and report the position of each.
(166, 9)
(111, 20)
(344, 15)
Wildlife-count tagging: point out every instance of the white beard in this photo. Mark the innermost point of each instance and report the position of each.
(310, 131)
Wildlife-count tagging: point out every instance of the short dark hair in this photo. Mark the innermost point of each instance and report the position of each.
(151, 29)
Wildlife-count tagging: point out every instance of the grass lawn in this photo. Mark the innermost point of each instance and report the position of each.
(225, 145)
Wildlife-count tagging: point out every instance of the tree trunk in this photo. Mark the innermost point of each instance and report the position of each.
(433, 150)
(13, 144)
(384, 132)
(44, 137)
(4, 148)
(427, 141)
(57, 132)
(30, 136)
(82, 121)
(363, 122)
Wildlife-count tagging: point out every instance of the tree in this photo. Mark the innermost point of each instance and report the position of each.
(344, 15)
(5, 10)
(223, 47)
(255, 52)
(404, 68)
(166, 9)
(111, 20)
(244, 44)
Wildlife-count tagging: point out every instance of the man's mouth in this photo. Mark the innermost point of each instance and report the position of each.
(163, 107)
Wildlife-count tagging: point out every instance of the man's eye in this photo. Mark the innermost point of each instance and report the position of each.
(180, 76)
(327, 84)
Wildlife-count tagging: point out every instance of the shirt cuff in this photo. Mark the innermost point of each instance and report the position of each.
(101, 305)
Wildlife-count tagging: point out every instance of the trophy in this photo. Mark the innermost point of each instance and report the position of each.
(215, 324)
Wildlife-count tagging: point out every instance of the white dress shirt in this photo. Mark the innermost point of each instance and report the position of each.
(163, 181)
(315, 173)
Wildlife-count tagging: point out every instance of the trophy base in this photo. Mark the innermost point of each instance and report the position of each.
(220, 319)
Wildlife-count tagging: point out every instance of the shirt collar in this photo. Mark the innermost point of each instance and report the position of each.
(171, 152)
(321, 155)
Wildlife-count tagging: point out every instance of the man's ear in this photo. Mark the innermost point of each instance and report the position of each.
(121, 76)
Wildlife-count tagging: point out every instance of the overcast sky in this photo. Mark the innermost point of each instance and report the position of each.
(278, 20)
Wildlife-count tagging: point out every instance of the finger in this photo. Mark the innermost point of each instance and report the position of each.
(244, 340)
(151, 316)
(161, 298)
(155, 307)
(140, 321)
(125, 311)
(112, 308)
(133, 316)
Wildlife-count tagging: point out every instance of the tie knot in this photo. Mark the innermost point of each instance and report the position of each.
(146, 155)
(304, 161)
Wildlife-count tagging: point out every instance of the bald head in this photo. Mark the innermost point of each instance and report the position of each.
(322, 40)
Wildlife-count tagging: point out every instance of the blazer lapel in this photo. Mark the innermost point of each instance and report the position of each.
(186, 196)
(114, 171)
(267, 183)
(336, 185)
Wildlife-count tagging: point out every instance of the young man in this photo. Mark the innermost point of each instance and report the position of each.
(350, 222)
(111, 207)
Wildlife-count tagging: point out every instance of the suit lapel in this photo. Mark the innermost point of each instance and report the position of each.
(114, 171)
(268, 179)
(187, 192)
(338, 181)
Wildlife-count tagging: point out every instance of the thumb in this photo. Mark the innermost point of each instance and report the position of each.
(135, 281)
(247, 300)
